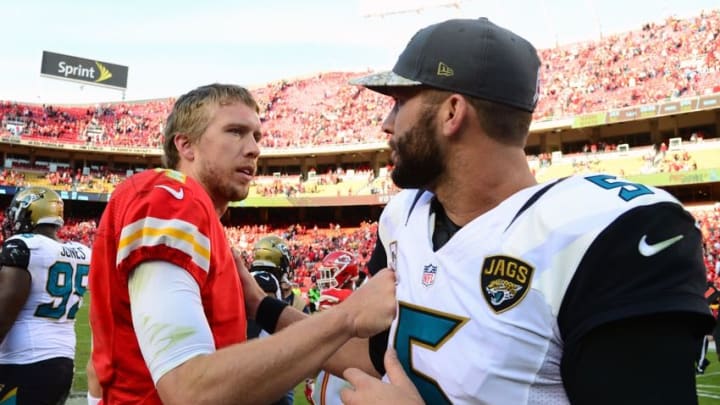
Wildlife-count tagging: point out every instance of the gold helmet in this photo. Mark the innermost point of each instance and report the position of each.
(31, 207)
(272, 252)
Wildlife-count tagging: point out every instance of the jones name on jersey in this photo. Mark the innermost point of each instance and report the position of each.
(59, 274)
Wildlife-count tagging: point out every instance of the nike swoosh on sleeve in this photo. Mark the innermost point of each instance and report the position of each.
(648, 250)
(178, 194)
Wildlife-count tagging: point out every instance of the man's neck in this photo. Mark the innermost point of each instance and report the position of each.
(220, 205)
(475, 185)
(49, 231)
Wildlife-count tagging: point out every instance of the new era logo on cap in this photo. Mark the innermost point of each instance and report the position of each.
(473, 57)
(444, 70)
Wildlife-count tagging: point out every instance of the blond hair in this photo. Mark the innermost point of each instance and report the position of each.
(191, 115)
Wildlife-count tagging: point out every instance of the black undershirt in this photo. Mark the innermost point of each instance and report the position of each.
(444, 227)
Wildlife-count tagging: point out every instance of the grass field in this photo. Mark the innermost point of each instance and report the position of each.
(708, 384)
(82, 350)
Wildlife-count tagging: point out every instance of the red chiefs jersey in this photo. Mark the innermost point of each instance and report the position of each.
(157, 215)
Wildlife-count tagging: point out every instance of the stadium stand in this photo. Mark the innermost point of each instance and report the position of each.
(661, 61)
(669, 60)
(676, 58)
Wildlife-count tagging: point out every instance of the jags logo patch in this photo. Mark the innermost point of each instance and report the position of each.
(504, 281)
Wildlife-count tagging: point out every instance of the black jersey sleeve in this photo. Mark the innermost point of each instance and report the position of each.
(15, 253)
(378, 343)
(378, 259)
(648, 261)
(616, 363)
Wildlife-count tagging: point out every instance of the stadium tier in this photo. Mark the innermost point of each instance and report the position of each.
(673, 60)
(643, 104)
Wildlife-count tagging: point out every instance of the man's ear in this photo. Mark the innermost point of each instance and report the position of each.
(184, 147)
(453, 114)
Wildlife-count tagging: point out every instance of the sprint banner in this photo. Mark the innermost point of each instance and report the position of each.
(83, 70)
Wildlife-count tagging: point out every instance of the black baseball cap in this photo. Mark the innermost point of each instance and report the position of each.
(473, 57)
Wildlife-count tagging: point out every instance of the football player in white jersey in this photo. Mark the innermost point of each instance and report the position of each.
(585, 290)
(42, 282)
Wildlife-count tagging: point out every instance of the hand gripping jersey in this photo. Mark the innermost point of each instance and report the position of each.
(45, 326)
(157, 215)
(483, 320)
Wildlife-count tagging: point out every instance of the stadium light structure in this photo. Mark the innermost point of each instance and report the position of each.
(382, 8)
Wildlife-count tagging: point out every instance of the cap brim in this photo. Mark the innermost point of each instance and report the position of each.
(381, 81)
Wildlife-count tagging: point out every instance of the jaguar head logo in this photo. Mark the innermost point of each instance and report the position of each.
(500, 290)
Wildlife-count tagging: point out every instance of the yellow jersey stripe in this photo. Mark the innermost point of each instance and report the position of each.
(174, 233)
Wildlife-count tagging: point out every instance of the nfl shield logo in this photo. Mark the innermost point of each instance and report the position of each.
(393, 255)
(429, 273)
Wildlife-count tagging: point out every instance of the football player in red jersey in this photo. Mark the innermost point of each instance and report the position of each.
(170, 297)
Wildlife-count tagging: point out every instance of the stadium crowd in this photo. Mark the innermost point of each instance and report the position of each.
(308, 244)
(661, 61)
(675, 58)
(360, 181)
(709, 221)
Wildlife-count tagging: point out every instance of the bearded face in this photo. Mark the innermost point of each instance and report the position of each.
(418, 158)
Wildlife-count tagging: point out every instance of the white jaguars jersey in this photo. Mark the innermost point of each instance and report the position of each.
(483, 319)
(327, 389)
(45, 326)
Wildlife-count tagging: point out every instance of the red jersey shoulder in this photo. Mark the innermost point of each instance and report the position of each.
(168, 217)
(164, 193)
(175, 184)
(168, 187)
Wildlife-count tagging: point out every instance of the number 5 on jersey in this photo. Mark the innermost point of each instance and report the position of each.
(429, 329)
